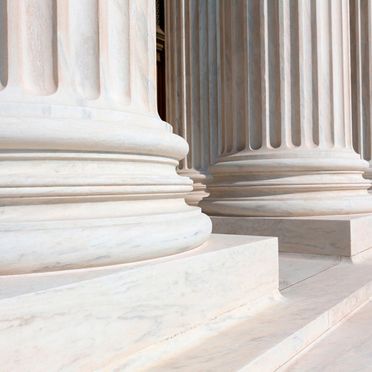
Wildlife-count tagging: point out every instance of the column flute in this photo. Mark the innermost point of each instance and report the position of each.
(286, 112)
(192, 86)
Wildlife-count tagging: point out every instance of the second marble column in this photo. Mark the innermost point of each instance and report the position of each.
(287, 166)
(192, 98)
(286, 112)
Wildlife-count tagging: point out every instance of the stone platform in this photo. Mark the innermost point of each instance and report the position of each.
(348, 236)
(214, 309)
(319, 293)
(92, 319)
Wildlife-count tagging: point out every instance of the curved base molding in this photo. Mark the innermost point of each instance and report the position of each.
(315, 184)
(92, 194)
(315, 204)
(64, 237)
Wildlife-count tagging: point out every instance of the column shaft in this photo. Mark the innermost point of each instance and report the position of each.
(191, 32)
(361, 72)
(88, 169)
(286, 103)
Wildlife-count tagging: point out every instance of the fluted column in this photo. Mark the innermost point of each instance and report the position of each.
(88, 169)
(286, 121)
(361, 72)
(191, 34)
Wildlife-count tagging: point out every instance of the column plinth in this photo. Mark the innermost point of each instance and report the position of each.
(288, 185)
(88, 170)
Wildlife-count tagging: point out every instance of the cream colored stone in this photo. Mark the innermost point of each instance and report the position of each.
(348, 348)
(361, 77)
(88, 170)
(90, 319)
(286, 113)
(311, 307)
(347, 236)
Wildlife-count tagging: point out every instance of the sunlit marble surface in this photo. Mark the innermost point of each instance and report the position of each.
(347, 349)
(347, 236)
(85, 319)
(87, 167)
(313, 305)
(294, 267)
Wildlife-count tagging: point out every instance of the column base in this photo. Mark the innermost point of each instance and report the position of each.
(349, 236)
(51, 237)
(88, 319)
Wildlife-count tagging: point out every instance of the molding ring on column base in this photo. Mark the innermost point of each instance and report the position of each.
(136, 135)
(289, 187)
(54, 237)
(289, 206)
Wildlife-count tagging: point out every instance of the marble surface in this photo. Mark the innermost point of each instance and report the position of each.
(347, 349)
(310, 307)
(361, 77)
(191, 31)
(347, 236)
(284, 143)
(87, 167)
(296, 267)
(93, 319)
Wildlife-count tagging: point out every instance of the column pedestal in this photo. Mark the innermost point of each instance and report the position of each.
(344, 236)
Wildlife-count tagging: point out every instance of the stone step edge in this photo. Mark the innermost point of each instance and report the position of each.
(177, 344)
(283, 352)
(273, 358)
(307, 348)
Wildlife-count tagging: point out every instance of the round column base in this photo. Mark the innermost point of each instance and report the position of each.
(54, 237)
(313, 184)
(316, 204)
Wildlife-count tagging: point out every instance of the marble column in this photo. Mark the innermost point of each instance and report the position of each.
(361, 73)
(88, 170)
(286, 112)
(191, 68)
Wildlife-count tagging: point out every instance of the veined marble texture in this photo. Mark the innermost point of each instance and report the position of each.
(311, 307)
(94, 322)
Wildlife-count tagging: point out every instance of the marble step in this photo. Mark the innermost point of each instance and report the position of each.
(311, 306)
(87, 320)
(347, 349)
